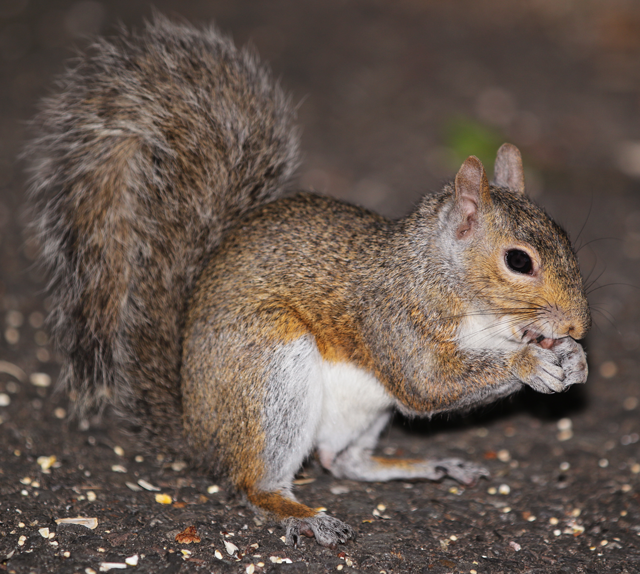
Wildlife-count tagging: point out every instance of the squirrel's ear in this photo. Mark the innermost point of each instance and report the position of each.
(472, 191)
(508, 171)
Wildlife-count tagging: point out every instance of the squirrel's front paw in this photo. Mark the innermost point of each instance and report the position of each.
(554, 370)
(544, 372)
(573, 361)
(327, 530)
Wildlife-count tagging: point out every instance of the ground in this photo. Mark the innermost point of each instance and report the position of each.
(392, 97)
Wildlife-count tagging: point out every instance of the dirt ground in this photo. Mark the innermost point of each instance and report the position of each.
(393, 96)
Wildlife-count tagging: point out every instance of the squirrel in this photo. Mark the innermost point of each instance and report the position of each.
(244, 326)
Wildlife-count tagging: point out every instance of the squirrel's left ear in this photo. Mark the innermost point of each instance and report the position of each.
(471, 193)
(508, 171)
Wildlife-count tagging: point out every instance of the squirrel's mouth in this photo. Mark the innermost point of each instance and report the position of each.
(531, 336)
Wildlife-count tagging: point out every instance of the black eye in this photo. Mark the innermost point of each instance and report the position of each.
(518, 261)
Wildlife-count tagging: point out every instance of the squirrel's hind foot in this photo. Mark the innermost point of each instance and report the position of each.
(327, 530)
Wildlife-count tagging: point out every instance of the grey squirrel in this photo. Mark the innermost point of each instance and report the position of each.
(246, 329)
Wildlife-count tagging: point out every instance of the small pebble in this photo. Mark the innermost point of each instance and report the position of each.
(5, 400)
(603, 463)
(59, 413)
(504, 489)
(557, 532)
(564, 466)
(132, 560)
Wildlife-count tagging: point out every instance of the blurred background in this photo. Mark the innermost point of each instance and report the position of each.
(392, 97)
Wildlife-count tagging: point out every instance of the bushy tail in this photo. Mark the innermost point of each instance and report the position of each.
(153, 146)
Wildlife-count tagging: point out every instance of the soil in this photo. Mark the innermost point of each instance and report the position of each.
(393, 96)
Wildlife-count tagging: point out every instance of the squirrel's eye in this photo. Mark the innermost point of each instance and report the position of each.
(519, 261)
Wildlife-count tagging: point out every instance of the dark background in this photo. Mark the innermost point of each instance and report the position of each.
(392, 96)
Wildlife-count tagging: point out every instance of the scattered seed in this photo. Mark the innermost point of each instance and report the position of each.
(43, 355)
(132, 560)
(106, 566)
(381, 507)
(91, 523)
(340, 489)
(118, 450)
(44, 532)
(5, 400)
(13, 370)
(557, 532)
(303, 481)
(603, 463)
(515, 546)
(213, 489)
(635, 468)
(492, 490)
(504, 489)
(36, 319)
(504, 455)
(178, 465)
(22, 540)
(148, 486)
(230, 547)
(626, 488)
(118, 468)
(506, 509)
(66, 554)
(250, 569)
(59, 413)
(40, 338)
(14, 319)
(91, 496)
(576, 512)
(163, 499)
(630, 403)
(218, 554)
(608, 369)
(46, 462)
(40, 379)
(604, 542)
(12, 336)
(564, 424)
(139, 458)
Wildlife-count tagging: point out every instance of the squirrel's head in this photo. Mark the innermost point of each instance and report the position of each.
(517, 264)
